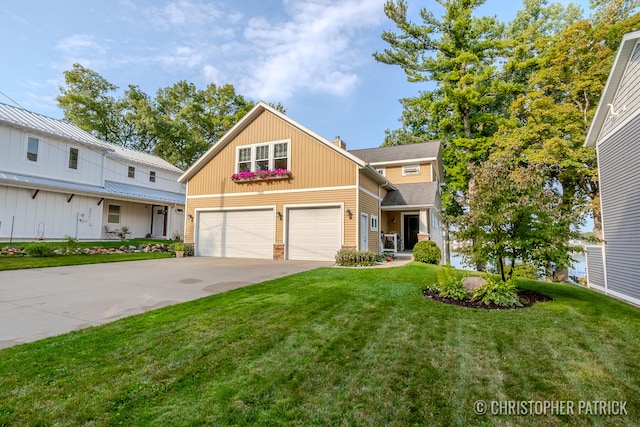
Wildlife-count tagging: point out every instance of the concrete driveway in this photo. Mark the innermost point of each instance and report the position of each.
(44, 302)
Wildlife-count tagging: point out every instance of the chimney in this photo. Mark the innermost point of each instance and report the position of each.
(340, 143)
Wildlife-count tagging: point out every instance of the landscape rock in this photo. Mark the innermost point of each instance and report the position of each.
(472, 283)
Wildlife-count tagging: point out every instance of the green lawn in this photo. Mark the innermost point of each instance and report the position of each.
(19, 262)
(331, 347)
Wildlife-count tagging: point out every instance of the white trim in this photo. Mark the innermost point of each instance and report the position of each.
(369, 193)
(256, 193)
(618, 295)
(270, 159)
(25, 152)
(405, 169)
(358, 219)
(402, 215)
(285, 221)
(373, 218)
(364, 216)
(408, 207)
(404, 162)
(69, 148)
(615, 130)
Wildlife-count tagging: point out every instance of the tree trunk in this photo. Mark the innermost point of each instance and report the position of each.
(597, 220)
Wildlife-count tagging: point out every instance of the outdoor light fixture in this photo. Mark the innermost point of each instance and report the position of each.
(394, 220)
(279, 215)
(190, 217)
(349, 214)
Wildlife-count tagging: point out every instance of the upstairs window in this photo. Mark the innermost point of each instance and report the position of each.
(381, 171)
(411, 170)
(265, 156)
(73, 158)
(262, 157)
(152, 176)
(281, 155)
(244, 159)
(32, 149)
(132, 172)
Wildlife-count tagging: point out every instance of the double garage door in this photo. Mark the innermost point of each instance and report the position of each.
(311, 233)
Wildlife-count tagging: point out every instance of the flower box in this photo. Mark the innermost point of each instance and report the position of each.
(262, 175)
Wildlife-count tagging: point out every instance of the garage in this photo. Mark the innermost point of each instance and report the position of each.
(314, 233)
(236, 234)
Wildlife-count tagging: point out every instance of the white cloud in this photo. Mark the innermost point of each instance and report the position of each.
(315, 49)
(79, 43)
(183, 13)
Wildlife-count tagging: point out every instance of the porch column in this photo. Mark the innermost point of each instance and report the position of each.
(423, 230)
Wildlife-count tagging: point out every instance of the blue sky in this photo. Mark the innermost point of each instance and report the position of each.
(314, 56)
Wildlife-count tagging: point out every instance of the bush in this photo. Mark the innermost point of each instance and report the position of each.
(450, 286)
(188, 250)
(427, 251)
(38, 250)
(351, 258)
(495, 291)
(526, 271)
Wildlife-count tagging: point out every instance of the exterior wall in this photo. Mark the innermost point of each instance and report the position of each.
(394, 174)
(627, 99)
(53, 158)
(369, 205)
(117, 170)
(435, 229)
(279, 200)
(619, 168)
(595, 267)
(48, 216)
(312, 164)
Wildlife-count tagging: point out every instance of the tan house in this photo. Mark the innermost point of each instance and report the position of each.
(271, 188)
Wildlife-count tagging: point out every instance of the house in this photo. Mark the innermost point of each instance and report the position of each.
(271, 188)
(612, 267)
(57, 180)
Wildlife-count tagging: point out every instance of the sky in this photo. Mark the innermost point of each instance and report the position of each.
(313, 56)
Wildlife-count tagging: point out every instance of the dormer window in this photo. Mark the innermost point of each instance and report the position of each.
(410, 170)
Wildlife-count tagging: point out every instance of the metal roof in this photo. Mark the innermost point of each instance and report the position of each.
(111, 189)
(33, 122)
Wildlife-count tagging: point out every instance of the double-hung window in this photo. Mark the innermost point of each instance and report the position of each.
(264, 156)
(114, 214)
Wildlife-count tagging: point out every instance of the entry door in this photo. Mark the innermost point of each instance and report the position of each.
(411, 228)
(364, 232)
(159, 214)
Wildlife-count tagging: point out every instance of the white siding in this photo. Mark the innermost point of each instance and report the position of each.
(117, 170)
(595, 266)
(619, 167)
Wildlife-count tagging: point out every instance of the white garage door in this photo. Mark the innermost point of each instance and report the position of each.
(236, 234)
(314, 234)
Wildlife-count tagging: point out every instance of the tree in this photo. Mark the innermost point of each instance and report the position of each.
(515, 216)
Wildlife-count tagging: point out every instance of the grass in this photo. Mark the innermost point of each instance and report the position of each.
(20, 262)
(331, 347)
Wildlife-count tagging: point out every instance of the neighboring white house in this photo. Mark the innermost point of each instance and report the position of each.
(614, 266)
(57, 180)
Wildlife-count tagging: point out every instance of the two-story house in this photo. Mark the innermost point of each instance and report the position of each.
(57, 180)
(272, 188)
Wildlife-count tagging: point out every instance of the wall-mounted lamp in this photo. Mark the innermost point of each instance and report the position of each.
(349, 214)
(190, 217)
(394, 220)
(279, 215)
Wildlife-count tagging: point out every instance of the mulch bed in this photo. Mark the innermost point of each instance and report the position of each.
(527, 299)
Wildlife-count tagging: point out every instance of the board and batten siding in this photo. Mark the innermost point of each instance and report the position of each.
(595, 266)
(312, 163)
(279, 200)
(627, 99)
(619, 167)
(394, 174)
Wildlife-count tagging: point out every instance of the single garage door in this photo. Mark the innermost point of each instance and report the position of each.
(314, 234)
(236, 234)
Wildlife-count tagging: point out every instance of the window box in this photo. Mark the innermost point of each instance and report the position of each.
(261, 175)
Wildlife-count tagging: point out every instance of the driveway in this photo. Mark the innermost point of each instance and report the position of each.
(44, 302)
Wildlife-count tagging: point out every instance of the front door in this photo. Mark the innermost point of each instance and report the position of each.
(411, 228)
(364, 231)
(158, 221)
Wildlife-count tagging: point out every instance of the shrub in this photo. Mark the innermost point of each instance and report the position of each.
(427, 251)
(188, 250)
(350, 257)
(71, 242)
(178, 246)
(495, 291)
(526, 271)
(450, 286)
(38, 250)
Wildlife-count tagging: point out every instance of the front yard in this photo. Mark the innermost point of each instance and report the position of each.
(332, 347)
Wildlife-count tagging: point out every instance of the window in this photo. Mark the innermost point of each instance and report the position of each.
(132, 172)
(152, 176)
(280, 156)
(32, 149)
(262, 157)
(244, 159)
(381, 171)
(114, 214)
(374, 223)
(251, 158)
(411, 170)
(73, 158)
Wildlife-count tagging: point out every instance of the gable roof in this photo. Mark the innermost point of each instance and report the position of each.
(424, 150)
(258, 109)
(37, 123)
(625, 52)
